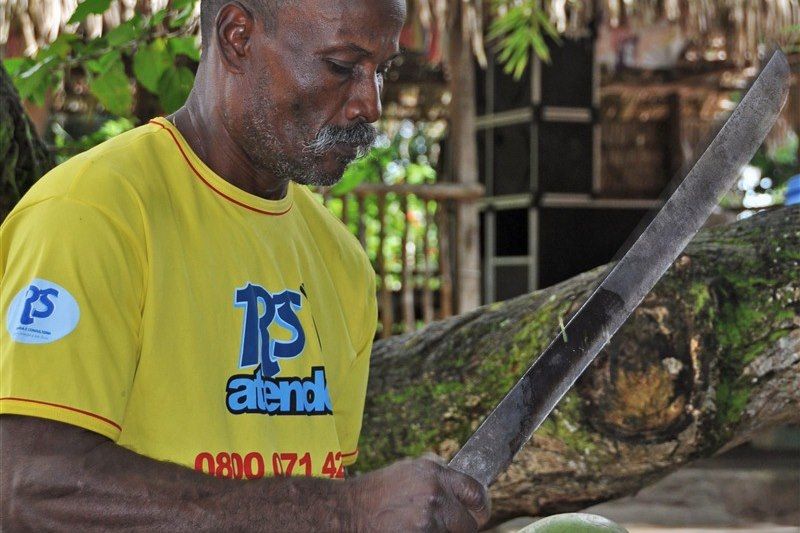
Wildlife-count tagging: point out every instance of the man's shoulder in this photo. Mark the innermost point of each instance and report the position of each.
(111, 177)
(118, 159)
(332, 236)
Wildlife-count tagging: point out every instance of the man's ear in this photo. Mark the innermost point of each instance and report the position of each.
(234, 26)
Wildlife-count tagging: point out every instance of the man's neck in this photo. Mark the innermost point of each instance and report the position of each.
(210, 140)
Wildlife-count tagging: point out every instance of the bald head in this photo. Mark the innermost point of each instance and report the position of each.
(267, 10)
(297, 83)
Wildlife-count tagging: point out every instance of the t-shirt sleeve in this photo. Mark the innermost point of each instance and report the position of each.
(348, 423)
(71, 295)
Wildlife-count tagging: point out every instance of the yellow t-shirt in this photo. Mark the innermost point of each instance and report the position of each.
(147, 299)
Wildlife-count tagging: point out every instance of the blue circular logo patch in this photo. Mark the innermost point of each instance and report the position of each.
(42, 312)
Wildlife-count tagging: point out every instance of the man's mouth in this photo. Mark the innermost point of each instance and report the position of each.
(346, 148)
(345, 153)
(352, 149)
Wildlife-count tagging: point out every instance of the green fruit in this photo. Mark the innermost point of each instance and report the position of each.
(574, 523)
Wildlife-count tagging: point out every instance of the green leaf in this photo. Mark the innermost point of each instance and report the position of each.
(88, 7)
(60, 48)
(14, 65)
(158, 17)
(34, 86)
(174, 87)
(122, 34)
(112, 89)
(181, 4)
(150, 63)
(184, 46)
(353, 176)
(519, 30)
(105, 62)
(548, 26)
(540, 47)
(84, 51)
(417, 174)
(33, 79)
(182, 16)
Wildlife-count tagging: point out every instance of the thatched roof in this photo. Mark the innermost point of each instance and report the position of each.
(40, 21)
(737, 25)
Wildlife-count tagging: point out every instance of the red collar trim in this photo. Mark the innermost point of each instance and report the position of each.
(207, 183)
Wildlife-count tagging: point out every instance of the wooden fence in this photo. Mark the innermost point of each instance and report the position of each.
(415, 276)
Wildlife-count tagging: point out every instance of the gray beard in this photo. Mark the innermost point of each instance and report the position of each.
(264, 151)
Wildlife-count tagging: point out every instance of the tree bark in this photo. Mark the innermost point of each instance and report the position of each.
(23, 156)
(710, 357)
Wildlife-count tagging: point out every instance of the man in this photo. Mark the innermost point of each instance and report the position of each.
(176, 305)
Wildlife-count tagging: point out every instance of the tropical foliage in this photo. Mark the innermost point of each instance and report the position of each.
(520, 29)
(158, 51)
(408, 153)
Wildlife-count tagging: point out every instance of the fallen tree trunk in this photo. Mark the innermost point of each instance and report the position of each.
(710, 357)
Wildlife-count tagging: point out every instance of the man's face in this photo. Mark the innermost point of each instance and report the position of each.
(312, 86)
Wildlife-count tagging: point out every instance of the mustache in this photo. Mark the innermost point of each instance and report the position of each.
(361, 136)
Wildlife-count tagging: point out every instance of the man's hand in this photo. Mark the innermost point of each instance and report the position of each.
(419, 495)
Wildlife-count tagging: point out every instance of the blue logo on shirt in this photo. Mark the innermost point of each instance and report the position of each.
(41, 313)
(261, 309)
(272, 332)
(35, 296)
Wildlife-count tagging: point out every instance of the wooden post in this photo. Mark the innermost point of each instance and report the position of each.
(427, 294)
(464, 163)
(446, 283)
(346, 210)
(387, 314)
(675, 156)
(362, 228)
(407, 267)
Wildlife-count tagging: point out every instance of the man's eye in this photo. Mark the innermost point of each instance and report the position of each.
(340, 68)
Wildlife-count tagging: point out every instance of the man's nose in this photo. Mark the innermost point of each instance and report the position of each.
(365, 101)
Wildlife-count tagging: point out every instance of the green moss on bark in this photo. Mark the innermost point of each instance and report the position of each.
(752, 315)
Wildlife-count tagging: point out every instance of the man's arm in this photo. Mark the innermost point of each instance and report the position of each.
(57, 476)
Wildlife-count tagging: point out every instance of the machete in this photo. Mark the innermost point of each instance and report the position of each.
(490, 450)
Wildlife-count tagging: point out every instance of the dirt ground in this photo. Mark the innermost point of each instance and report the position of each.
(745, 490)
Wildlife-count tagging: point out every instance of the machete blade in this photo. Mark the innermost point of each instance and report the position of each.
(490, 450)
